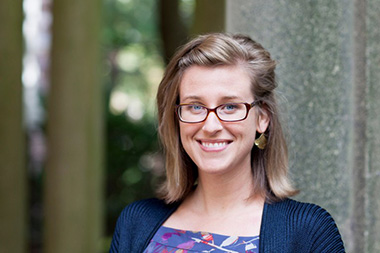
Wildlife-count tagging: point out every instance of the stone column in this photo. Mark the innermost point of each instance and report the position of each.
(373, 125)
(328, 73)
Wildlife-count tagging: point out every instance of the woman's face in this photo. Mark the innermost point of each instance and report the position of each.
(213, 145)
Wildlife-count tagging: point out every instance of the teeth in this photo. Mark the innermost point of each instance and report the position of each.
(214, 145)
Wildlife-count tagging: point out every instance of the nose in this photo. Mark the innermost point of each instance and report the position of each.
(212, 124)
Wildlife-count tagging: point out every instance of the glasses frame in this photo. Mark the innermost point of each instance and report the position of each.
(249, 106)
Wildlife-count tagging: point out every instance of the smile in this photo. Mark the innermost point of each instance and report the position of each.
(214, 144)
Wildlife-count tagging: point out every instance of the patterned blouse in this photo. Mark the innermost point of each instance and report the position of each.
(169, 240)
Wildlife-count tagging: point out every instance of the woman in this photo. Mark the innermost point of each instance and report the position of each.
(226, 161)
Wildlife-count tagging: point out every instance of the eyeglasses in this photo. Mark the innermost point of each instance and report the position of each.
(230, 112)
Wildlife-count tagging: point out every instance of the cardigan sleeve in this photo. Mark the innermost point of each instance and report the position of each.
(323, 231)
(116, 236)
(137, 224)
(313, 230)
(292, 226)
(119, 240)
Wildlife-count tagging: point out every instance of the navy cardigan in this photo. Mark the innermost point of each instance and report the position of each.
(287, 226)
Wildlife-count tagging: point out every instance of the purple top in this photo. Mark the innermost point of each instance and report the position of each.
(170, 240)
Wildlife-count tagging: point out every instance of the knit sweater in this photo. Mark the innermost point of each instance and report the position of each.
(287, 226)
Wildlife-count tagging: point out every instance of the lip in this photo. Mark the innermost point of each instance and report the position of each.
(214, 145)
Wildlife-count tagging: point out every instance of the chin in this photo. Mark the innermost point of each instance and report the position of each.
(212, 169)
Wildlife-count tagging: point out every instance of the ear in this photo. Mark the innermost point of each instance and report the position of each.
(262, 121)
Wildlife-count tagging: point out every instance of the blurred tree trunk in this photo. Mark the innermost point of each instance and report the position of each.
(73, 183)
(173, 30)
(12, 155)
(209, 16)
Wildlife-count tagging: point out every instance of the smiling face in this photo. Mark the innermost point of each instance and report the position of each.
(213, 145)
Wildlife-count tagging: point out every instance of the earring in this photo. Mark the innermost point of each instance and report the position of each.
(261, 142)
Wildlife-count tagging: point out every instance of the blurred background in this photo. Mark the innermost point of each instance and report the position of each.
(78, 137)
(87, 145)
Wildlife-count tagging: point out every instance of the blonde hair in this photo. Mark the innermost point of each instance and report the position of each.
(269, 166)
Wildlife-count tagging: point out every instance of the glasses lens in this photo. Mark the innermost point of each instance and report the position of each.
(192, 113)
(232, 112)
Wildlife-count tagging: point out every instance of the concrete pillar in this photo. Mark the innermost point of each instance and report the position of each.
(328, 72)
(373, 125)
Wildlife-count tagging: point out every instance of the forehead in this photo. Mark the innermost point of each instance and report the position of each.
(213, 83)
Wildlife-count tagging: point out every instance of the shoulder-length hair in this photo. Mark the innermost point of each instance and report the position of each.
(270, 165)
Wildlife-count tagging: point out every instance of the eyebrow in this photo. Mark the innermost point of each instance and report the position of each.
(192, 97)
(200, 98)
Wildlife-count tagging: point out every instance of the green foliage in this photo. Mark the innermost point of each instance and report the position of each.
(133, 163)
(130, 22)
(132, 47)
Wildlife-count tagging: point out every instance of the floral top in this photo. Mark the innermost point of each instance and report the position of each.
(169, 240)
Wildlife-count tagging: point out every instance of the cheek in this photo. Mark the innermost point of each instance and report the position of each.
(254, 122)
(182, 130)
(185, 133)
(181, 134)
(250, 125)
(249, 132)
(244, 133)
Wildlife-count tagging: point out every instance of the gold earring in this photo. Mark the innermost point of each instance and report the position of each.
(261, 142)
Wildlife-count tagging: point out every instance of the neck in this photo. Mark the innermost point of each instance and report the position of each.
(224, 193)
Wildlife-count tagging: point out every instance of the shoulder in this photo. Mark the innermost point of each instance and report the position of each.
(295, 209)
(303, 222)
(148, 211)
(145, 207)
(138, 222)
